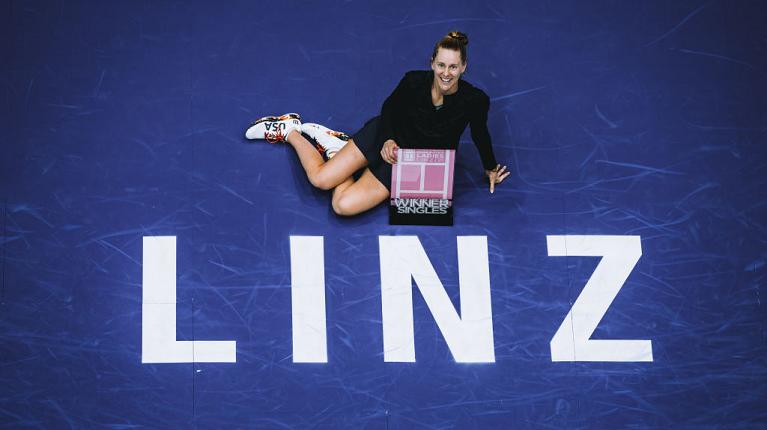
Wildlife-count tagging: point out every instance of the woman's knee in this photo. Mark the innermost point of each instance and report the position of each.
(322, 180)
(344, 205)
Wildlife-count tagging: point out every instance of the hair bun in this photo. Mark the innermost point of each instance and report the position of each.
(453, 41)
(462, 37)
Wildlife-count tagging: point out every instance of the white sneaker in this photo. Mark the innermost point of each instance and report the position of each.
(330, 141)
(274, 128)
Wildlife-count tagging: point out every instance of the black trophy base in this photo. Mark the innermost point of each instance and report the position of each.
(397, 217)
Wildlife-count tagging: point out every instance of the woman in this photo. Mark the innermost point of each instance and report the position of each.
(428, 109)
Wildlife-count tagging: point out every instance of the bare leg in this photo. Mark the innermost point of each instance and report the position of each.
(352, 198)
(327, 175)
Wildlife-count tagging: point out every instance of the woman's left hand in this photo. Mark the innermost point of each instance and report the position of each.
(496, 176)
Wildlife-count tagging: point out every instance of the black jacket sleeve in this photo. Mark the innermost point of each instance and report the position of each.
(392, 104)
(479, 133)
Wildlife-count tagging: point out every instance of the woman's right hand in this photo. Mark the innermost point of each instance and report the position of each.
(389, 151)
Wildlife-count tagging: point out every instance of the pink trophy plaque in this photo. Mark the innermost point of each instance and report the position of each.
(422, 187)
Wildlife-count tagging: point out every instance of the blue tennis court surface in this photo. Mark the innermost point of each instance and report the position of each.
(628, 126)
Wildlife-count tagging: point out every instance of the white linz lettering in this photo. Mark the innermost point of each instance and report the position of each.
(403, 260)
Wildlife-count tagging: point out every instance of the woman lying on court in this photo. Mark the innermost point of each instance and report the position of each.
(427, 110)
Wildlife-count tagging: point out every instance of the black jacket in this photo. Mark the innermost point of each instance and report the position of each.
(410, 119)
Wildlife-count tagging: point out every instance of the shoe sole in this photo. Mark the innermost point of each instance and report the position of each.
(337, 134)
(321, 129)
(287, 116)
(276, 118)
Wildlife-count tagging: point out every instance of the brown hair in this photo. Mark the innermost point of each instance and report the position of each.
(455, 41)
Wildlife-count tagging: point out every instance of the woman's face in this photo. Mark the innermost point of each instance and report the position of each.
(447, 68)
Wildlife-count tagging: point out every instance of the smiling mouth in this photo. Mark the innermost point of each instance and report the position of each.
(445, 81)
